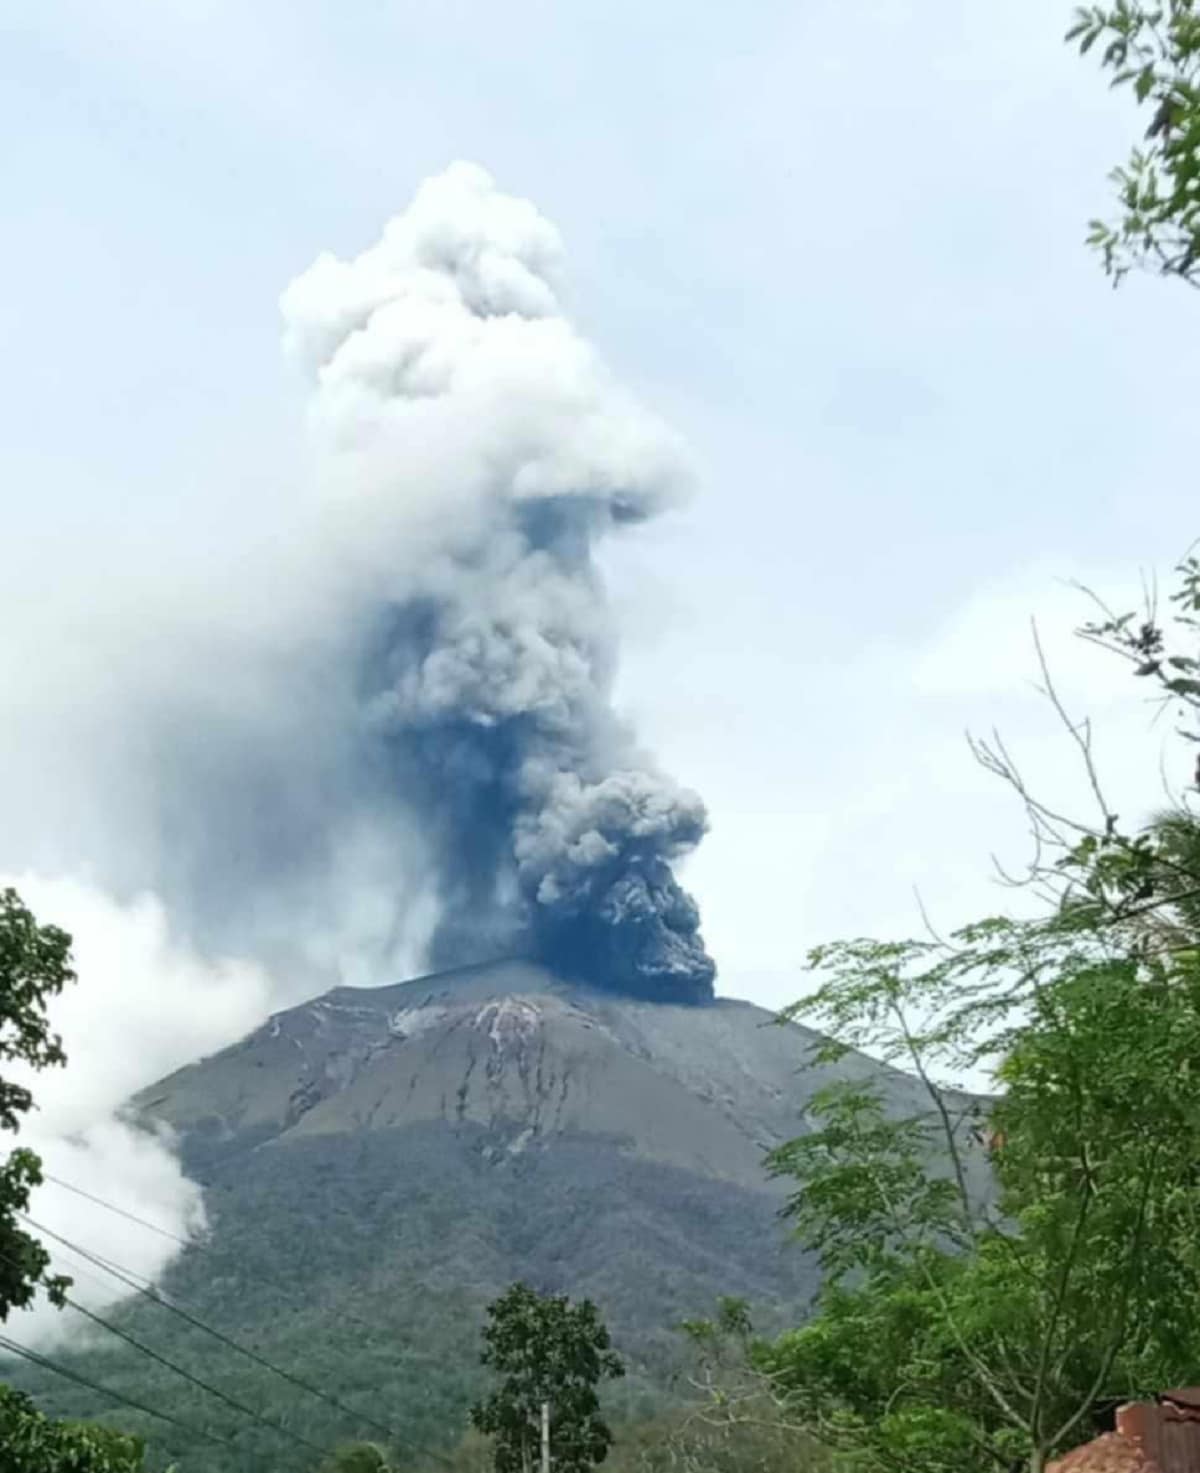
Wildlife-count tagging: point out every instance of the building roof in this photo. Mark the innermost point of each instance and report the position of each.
(1110, 1453)
(1161, 1436)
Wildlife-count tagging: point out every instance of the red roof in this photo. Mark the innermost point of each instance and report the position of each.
(1111, 1453)
(1151, 1437)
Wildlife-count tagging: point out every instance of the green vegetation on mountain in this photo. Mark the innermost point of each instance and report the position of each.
(379, 1165)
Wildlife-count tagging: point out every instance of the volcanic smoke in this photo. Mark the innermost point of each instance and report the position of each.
(367, 727)
(451, 391)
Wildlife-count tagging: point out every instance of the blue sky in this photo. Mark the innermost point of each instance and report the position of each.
(840, 249)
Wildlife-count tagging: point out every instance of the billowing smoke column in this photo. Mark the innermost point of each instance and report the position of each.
(466, 425)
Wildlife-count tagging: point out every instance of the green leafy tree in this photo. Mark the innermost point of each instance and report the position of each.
(741, 1421)
(1153, 49)
(33, 1443)
(951, 1324)
(964, 1322)
(551, 1356)
(998, 1270)
(35, 965)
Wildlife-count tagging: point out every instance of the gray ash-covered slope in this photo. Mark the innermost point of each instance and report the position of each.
(517, 1061)
(496, 1122)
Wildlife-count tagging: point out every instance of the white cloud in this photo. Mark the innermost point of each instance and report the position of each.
(143, 1006)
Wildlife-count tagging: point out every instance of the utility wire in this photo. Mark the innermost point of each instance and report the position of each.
(202, 1248)
(187, 1375)
(175, 1306)
(59, 1370)
(190, 1244)
(120, 1211)
(229, 1401)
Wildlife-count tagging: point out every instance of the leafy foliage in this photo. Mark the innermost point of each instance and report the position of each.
(35, 965)
(1001, 1325)
(971, 1323)
(33, 1443)
(678, 1440)
(1154, 50)
(1000, 1328)
(547, 1351)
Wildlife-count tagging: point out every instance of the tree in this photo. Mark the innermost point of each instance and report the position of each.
(997, 1270)
(35, 965)
(551, 1356)
(1155, 50)
(952, 1325)
(740, 1421)
(33, 1443)
(960, 1327)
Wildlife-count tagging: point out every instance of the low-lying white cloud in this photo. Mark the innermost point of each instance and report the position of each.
(143, 1006)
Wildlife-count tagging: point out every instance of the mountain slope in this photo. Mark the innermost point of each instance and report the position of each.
(509, 1048)
(378, 1164)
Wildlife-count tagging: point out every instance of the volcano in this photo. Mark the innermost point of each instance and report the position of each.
(618, 1141)
(379, 1163)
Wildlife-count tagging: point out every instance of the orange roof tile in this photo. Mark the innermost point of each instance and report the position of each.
(1110, 1453)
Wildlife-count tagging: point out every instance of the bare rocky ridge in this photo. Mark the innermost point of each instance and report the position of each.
(512, 1050)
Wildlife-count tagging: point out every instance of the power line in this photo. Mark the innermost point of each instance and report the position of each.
(190, 1244)
(179, 1371)
(120, 1211)
(59, 1370)
(204, 1249)
(175, 1306)
(229, 1401)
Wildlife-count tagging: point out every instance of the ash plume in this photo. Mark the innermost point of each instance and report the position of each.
(368, 728)
(370, 731)
(480, 436)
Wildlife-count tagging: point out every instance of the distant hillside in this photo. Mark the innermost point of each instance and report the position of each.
(378, 1164)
